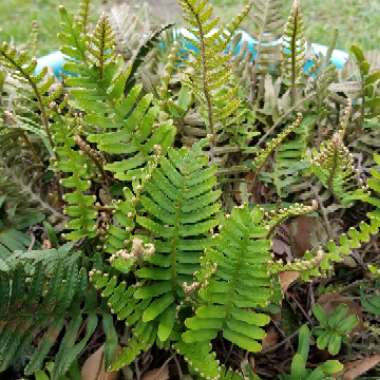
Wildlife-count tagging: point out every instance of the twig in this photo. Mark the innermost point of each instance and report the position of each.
(178, 365)
(277, 346)
(301, 308)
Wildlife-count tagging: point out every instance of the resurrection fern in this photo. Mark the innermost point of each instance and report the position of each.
(212, 79)
(35, 92)
(290, 162)
(83, 15)
(118, 123)
(48, 282)
(275, 218)
(334, 165)
(78, 170)
(128, 29)
(181, 189)
(335, 252)
(293, 50)
(235, 286)
(179, 207)
(264, 154)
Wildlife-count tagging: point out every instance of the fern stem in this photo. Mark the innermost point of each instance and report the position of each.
(92, 155)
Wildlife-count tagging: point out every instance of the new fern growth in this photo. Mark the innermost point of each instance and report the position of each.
(229, 298)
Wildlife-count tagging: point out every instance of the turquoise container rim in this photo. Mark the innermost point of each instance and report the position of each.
(55, 60)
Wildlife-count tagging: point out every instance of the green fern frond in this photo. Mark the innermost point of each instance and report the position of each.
(200, 359)
(370, 99)
(290, 164)
(128, 308)
(264, 154)
(35, 91)
(241, 284)
(34, 36)
(181, 205)
(319, 264)
(119, 235)
(78, 170)
(293, 50)
(334, 164)
(124, 126)
(143, 338)
(101, 48)
(48, 282)
(212, 79)
(177, 207)
(231, 28)
(374, 185)
(277, 217)
(73, 40)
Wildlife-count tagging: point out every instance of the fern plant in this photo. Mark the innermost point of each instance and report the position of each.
(334, 164)
(179, 207)
(212, 79)
(37, 90)
(174, 190)
(240, 283)
(27, 282)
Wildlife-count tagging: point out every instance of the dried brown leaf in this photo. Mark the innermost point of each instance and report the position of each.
(157, 374)
(357, 368)
(306, 232)
(287, 279)
(94, 369)
(271, 339)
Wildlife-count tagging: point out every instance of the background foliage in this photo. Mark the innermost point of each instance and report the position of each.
(16, 17)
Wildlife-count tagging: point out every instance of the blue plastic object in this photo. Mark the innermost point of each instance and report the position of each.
(56, 59)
